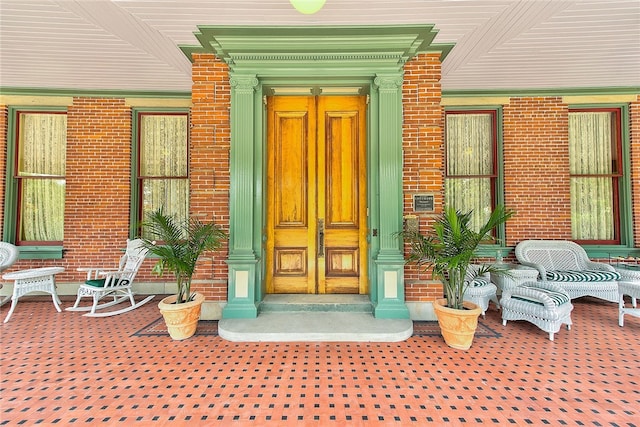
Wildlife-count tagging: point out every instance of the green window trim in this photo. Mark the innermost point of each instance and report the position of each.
(625, 213)
(498, 191)
(136, 197)
(10, 226)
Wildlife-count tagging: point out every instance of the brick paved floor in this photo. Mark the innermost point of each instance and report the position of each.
(66, 369)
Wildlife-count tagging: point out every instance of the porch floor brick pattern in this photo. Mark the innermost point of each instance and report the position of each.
(66, 369)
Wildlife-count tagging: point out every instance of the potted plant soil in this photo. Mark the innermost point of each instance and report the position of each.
(178, 245)
(448, 249)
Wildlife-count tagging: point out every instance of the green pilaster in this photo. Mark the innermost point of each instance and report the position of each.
(242, 259)
(390, 260)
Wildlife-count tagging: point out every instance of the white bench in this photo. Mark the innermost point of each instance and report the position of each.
(33, 280)
(567, 265)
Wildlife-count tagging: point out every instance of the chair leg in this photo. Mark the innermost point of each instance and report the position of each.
(14, 302)
(551, 336)
(56, 302)
(77, 303)
(96, 299)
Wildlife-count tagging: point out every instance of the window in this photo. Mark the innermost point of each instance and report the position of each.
(595, 147)
(39, 176)
(471, 166)
(162, 172)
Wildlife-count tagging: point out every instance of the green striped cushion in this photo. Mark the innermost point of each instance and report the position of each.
(582, 276)
(479, 282)
(558, 298)
(99, 283)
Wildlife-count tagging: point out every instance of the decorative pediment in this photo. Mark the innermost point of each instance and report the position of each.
(318, 49)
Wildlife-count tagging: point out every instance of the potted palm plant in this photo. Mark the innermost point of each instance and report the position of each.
(178, 245)
(448, 250)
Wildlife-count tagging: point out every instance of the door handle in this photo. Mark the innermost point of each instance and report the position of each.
(320, 238)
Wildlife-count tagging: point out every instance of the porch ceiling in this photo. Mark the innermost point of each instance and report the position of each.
(499, 44)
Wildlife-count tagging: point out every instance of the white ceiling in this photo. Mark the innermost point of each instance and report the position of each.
(500, 44)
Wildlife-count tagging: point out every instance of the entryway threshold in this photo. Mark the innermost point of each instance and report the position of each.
(315, 326)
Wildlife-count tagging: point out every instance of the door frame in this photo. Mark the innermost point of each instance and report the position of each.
(307, 58)
(246, 278)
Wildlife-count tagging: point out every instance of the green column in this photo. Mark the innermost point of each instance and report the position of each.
(389, 261)
(242, 261)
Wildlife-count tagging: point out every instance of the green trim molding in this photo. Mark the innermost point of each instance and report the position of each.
(315, 60)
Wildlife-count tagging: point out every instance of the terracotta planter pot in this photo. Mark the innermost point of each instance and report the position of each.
(181, 319)
(457, 326)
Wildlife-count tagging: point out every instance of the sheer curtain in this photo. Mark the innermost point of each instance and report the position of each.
(41, 176)
(591, 166)
(470, 165)
(163, 164)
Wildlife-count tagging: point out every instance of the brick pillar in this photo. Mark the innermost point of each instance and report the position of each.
(3, 160)
(634, 113)
(209, 164)
(423, 145)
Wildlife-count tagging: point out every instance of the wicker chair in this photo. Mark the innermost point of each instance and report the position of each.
(567, 265)
(115, 284)
(480, 291)
(8, 256)
(546, 305)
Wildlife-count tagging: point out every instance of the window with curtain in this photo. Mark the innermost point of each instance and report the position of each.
(162, 170)
(471, 172)
(40, 176)
(594, 156)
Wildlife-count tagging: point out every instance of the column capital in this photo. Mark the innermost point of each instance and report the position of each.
(388, 82)
(245, 83)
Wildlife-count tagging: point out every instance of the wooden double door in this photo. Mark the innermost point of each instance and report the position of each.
(316, 195)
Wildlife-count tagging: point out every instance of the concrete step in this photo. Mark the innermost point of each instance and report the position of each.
(309, 326)
(278, 303)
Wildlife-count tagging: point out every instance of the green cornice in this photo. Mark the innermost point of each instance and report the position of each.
(94, 93)
(265, 50)
(469, 93)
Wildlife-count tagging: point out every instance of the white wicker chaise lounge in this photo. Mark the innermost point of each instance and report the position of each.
(567, 265)
(546, 305)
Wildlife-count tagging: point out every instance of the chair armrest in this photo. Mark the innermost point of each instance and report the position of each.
(542, 272)
(594, 265)
(94, 272)
(114, 273)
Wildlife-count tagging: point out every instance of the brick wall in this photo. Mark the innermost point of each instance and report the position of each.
(209, 163)
(423, 136)
(3, 161)
(635, 167)
(98, 170)
(536, 165)
(98, 189)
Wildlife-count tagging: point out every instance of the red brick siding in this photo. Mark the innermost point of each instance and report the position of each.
(635, 167)
(98, 184)
(536, 169)
(98, 170)
(3, 160)
(209, 163)
(423, 148)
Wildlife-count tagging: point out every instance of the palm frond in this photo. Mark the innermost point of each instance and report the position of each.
(180, 245)
(449, 248)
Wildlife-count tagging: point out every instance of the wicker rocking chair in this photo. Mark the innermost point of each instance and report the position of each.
(104, 283)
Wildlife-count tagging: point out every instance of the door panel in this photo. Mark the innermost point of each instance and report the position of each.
(316, 210)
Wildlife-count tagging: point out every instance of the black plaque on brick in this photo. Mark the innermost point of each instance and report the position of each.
(423, 203)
